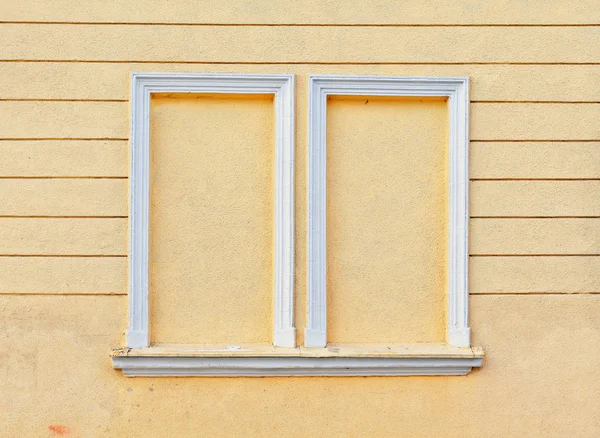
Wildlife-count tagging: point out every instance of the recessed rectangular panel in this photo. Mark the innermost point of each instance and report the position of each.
(387, 226)
(211, 218)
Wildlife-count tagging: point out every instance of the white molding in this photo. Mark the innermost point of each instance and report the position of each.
(282, 87)
(267, 360)
(293, 366)
(456, 89)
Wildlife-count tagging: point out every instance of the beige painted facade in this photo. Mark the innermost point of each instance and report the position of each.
(534, 276)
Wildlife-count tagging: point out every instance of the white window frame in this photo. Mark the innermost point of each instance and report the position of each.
(282, 358)
(142, 86)
(456, 90)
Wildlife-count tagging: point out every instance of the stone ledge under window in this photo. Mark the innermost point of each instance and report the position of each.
(266, 360)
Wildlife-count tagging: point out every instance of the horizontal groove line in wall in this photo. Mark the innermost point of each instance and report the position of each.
(9, 216)
(63, 138)
(534, 141)
(64, 177)
(126, 139)
(62, 100)
(563, 102)
(125, 293)
(533, 293)
(470, 255)
(36, 294)
(101, 294)
(534, 255)
(191, 24)
(3, 216)
(114, 61)
(65, 255)
(535, 179)
(534, 217)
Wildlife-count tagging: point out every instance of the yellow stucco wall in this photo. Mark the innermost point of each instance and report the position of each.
(211, 203)
(386, 220)
(535, 239)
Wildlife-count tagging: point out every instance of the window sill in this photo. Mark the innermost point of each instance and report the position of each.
(266, 360)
